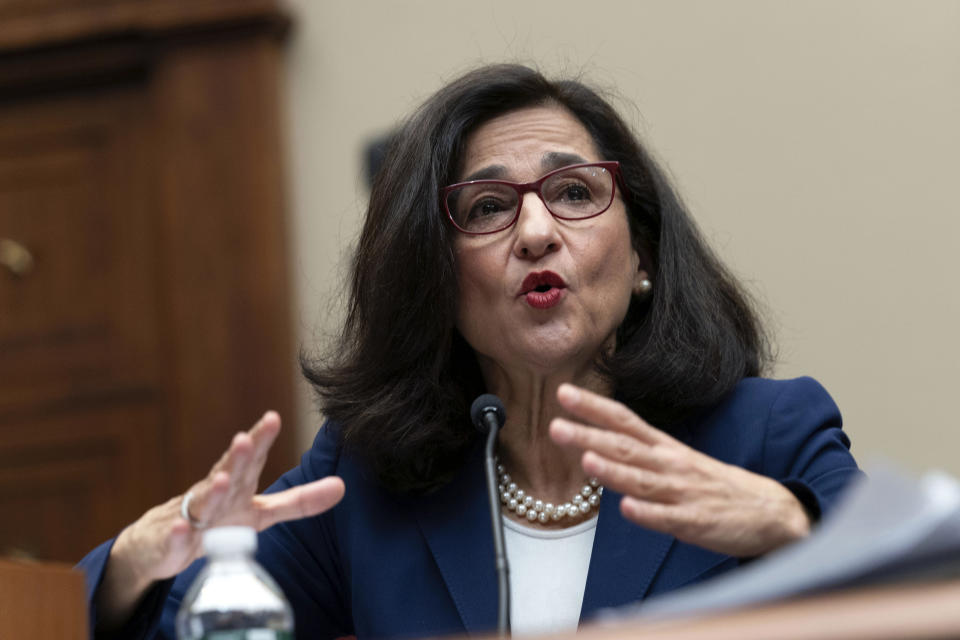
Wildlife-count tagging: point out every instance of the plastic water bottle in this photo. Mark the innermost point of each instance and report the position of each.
(233, 597)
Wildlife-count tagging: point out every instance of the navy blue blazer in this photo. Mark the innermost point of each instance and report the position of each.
(379, 566)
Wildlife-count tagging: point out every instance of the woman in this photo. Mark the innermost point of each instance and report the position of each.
(518, 241)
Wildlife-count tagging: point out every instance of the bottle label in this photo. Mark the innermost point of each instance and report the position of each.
(249, 634)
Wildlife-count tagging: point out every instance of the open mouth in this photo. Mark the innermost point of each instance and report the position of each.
(543, 289)
(541, 282)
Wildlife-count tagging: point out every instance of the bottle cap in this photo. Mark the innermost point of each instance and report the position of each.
(228, 540)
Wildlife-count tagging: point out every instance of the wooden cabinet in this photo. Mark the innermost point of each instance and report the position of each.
(27, 591)
(144, 307)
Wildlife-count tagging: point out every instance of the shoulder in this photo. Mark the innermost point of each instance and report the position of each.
(789, 430)
(757, 404)
(763, 418)
(756, 394)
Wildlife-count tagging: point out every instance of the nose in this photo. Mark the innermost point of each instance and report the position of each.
(537, 233)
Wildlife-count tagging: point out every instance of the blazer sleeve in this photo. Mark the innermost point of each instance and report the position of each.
(805, 447)
(300, 555)
(145, 621)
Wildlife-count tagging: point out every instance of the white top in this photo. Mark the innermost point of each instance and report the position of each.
(548, 574)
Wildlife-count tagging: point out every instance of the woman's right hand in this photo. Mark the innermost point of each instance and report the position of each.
(162, 543)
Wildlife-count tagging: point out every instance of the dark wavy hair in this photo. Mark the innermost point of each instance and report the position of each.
(401, 378)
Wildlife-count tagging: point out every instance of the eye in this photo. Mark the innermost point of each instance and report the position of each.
(569, 192)
(487, 206)
(575, 192)
(482, 202)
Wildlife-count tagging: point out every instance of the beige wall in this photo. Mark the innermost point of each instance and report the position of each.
(816, 142)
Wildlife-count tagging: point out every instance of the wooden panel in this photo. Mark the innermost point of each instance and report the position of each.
(42, 601)
(222, 191)
(73, 191)
(69, 21)
(46, 71)
(70, 480)
(140, 164)
(13, 8)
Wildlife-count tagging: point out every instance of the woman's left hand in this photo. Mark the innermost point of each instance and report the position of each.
(674, 489)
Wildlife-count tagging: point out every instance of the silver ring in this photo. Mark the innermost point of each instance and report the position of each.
(185, 512)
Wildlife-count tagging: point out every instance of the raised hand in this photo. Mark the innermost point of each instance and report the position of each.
(162, 543)
(672, 488)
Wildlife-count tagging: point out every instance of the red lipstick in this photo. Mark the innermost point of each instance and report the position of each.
(543, 289)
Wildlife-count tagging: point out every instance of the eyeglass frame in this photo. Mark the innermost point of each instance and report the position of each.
(613, 166)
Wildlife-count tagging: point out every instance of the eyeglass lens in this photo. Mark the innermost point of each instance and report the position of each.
(578, 192)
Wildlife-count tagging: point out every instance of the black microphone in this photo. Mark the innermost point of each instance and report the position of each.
(488, 416)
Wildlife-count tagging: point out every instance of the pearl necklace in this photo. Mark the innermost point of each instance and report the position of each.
(516, 500)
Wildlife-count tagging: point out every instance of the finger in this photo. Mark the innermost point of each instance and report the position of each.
(183, 545)
(243, 483)
(233, 479)
(263, 434)
(631, 481)
(209, 497)
(611, 444)
(250, 443)
(180, 539)
(653, 515)
(179, 533)
(607, 413)
(299, 502)
(239, 451)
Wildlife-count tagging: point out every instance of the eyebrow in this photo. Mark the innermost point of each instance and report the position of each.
(493, 172)
(557, 159)
(549, 162)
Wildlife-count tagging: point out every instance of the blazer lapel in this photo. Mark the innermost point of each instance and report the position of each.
(624, 561)
(456, 525)
(625, 557)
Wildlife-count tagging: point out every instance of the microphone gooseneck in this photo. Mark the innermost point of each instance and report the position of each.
(488, 415)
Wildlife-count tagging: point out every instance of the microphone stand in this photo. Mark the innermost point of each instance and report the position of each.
(503, 570)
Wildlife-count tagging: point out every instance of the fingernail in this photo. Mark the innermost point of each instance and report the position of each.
(561, 431)
(569, 393)
(593, 464)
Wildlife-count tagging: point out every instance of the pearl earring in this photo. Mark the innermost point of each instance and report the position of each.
(644, 287)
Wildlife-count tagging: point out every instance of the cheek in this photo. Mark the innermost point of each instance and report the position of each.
(617, 284)
(477, 281)
(467, 270)
(615, 263)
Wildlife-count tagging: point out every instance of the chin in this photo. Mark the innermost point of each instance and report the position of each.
(546, 350)
(552, 356)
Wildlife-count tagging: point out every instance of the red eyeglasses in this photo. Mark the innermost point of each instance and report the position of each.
(574, 192)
